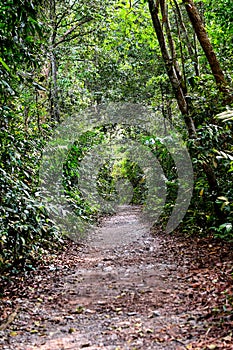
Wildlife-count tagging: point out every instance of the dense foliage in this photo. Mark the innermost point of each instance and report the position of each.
(58, 59)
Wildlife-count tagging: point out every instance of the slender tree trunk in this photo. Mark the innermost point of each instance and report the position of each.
(171, 71)
(191, 50)
(203, 38)
(54, 98)
(54, 105)
(196, 60)
(171, 45)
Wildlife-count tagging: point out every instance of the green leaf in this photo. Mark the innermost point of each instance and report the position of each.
(5, 65)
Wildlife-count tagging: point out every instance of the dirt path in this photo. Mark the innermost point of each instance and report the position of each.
(120, 290)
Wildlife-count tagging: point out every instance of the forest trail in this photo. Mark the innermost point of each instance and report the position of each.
(123, 289)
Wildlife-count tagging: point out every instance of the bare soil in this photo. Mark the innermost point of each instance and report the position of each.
(125, 287)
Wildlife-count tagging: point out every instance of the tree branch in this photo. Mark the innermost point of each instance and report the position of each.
(70, 31)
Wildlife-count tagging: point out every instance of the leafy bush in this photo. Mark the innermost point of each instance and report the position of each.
(24, 225)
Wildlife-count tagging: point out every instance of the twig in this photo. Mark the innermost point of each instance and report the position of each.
(9, 319)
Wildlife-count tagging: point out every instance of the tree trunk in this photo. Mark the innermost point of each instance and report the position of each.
(171, 45)
(171, 70)
(191, 50)
(203, 38)
(54, 105)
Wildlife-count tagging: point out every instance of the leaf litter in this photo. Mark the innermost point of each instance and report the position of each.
(150, 291)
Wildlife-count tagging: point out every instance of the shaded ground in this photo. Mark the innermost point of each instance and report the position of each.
(124, 289)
